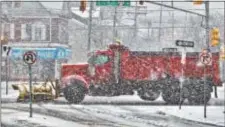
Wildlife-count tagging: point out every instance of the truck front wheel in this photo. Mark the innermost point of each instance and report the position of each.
(74, 93)
(171, 94)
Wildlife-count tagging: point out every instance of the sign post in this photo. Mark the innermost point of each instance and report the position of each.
(6, 50)
(206, 59)
(30, 58)
(184, 44)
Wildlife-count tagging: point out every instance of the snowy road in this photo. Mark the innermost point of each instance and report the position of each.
(119, 111)
(92, 115)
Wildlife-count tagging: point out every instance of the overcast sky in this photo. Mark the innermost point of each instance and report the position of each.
(184, 5)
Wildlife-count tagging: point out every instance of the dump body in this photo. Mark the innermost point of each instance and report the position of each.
(155, 65)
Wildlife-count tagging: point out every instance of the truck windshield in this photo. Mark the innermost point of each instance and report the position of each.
(98, 59)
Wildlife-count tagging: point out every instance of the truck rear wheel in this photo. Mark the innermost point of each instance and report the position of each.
(196, 94)
(198, 99)
(171, 93)
(75, 93)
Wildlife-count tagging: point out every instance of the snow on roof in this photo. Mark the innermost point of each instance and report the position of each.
(52, 4)
(85, 14)
(37, 45)
(64, 64)
(78, 23)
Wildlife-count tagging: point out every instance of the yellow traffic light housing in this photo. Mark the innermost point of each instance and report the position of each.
(83, 5)
(197, 2)
(222, 53)
(215, 37)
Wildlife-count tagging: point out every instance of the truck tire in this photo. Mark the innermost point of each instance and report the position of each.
(196, 91)
(171, 93)
(150, 95)
(75, 92)
(198, 99)
(196, 96)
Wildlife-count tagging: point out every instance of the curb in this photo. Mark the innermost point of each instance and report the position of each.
(199, 122)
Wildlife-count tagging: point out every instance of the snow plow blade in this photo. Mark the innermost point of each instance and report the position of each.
(40, 91)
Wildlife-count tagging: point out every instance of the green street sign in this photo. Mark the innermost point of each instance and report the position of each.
(113, 3)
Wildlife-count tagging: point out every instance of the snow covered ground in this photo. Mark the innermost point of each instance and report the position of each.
(111, 111)
(51, 115)
(22, 119)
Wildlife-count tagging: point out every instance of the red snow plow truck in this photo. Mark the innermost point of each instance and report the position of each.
(119, 71)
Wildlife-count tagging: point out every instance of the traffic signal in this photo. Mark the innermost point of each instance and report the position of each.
(83, 5)
(215, 37)
(222, 53)
(197, 2)
(141, 2)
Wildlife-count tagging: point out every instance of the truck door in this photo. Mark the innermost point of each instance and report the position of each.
(103, 68)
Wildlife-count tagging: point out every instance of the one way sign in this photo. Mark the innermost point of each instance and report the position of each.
(183, 43)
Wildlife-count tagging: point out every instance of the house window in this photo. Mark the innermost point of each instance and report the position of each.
(39, 32)
(63, 33)
(17, 32)
(12, 31)
(6, 30)
(26, 32)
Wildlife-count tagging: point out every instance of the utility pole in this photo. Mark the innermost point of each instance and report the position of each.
(114, 25)
(7, 71)
(148, 30)
(0, 61)
(172, 22)
(160, 23)
(90, 26)
(135, 22)
(207, 44)
(223, 72)
(102, 32)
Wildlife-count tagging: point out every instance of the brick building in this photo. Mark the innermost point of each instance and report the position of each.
(38, 27)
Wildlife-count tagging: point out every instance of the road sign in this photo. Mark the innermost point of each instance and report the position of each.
(42, 53)
(206, 58)
(113, 3)
(6, 50)
(169, 50)
(183, 43)
(29, 57)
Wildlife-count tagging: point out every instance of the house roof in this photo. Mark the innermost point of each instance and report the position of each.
(52, 4)
(85, 14)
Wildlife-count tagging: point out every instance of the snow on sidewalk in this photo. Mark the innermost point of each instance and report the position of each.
(19, 118)
(215, 114)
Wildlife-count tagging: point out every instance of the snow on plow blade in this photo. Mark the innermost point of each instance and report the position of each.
(40, 91)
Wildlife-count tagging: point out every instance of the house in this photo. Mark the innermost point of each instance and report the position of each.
(40, 27)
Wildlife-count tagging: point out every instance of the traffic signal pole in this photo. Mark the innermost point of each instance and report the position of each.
(90, 26)
(114, 25)
(0, 62)
(207, 45)
(175, 8)
(223, 72)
